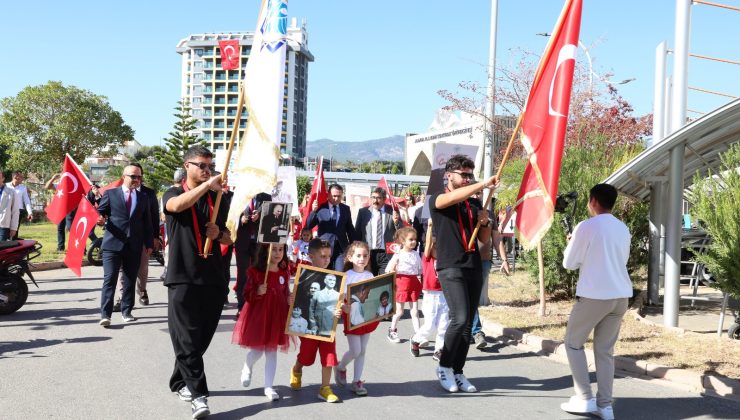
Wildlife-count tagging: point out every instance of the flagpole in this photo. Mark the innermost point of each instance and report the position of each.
(537, 77)
(224, 176)
(541, 266)
(267, 266)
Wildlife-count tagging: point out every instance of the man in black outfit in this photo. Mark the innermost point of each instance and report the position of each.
(334, 220)
(245, 245)
(195, 281)
(454, 217)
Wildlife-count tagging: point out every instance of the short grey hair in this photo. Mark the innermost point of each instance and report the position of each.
(179, 175)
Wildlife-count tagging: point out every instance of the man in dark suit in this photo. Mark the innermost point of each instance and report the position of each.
(128, 230)
(152, 206)
(335, 224)
(376, 225)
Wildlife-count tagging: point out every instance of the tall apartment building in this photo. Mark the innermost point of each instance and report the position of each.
(213, 92)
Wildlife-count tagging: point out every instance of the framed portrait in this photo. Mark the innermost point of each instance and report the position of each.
(317, 296)
(371, 300)
(274, 222)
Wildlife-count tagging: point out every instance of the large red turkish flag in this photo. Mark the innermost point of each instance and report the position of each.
(543, 128)
(84, 222)
(318, 192)
(71, 188)
(229, 54)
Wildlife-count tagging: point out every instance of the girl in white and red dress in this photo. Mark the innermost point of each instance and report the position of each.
(407, 265)
(261, 324)
(356, 261)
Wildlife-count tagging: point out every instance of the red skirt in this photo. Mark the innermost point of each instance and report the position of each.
(261, 323)
(408, 288)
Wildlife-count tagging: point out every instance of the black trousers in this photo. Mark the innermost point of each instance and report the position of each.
(378, 261)
(462, 289)
(244, 251)
(193, 313)
(128, 259)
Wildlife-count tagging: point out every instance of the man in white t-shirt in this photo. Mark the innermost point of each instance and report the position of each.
(599, 249)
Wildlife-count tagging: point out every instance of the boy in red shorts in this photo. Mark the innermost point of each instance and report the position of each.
(320, 252)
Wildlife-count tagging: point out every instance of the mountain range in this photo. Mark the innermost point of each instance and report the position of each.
(389, 148)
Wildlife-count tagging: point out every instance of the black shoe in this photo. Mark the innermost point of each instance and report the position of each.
(144, 299)
(117, 306)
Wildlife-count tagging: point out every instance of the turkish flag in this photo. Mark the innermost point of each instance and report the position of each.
(115, 184)
(71, 188)
(84, 222)
(543, 127)
(389, 198)
(318, 192)
(229, 54)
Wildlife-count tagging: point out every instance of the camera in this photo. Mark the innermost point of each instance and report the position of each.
(564, 200)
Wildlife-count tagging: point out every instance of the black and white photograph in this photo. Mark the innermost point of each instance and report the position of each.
(275, 222)
(371, 300)
(317, 298)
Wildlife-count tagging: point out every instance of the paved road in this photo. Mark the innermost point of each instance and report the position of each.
(56, 362)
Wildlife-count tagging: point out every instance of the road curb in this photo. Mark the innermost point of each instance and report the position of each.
(51, 265)
(717, 386)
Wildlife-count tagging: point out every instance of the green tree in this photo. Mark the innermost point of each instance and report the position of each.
(303, 185)
(169, 158)
(43, 123)
(113, 173)
(714, 200)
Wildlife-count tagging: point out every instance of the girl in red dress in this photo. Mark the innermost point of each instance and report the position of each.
(261, 324)
(356, 263)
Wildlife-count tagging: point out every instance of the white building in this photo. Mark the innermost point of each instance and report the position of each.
(213, 92)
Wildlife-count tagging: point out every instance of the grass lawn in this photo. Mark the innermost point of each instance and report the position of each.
(46, 233)
(516, 305)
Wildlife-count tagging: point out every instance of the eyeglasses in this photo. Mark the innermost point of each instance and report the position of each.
(376, 197)
(203, 166)
(464, 175)
(134, 177)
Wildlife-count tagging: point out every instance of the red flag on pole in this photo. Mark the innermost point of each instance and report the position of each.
(84, 222)
(229, 53)
(115, 184)
(318, 192)
(71, 188)
(543, 127)
(389, 198)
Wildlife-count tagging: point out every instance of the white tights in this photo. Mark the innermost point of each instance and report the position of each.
(413, 309)
(270, 364)
(356, 352)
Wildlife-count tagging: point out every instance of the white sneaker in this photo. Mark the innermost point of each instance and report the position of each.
(606, 413)
(246, 376)
(463, 384)
(271, 394)
(578, 405)
(446, 379)
(200, 407)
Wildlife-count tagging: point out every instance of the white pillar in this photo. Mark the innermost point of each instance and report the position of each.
(675, 182)
(659, 94)
(654, 248)
(489, 143)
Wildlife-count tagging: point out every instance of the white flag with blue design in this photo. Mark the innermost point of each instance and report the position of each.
(259, 150)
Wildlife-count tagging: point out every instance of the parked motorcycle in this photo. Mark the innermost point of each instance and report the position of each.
(95, 256)
(14, 258)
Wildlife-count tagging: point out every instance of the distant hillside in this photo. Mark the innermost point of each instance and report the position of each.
(389, 148)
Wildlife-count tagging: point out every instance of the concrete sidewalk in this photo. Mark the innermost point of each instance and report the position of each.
(56, 362)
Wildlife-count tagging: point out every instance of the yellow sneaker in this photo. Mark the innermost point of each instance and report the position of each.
(295, 380)
(326, 394)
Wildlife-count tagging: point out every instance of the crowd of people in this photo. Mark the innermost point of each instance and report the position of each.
(447, 275)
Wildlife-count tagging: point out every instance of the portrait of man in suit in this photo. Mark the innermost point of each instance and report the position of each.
(375, 226)
(334, 220)
(128, 230)
(275, 222)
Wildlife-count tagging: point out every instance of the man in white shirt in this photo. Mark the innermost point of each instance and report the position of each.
(599, 249)
(376, 225)
(9, 209)
(22, 196)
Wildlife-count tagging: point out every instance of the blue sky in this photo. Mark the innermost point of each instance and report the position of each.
(379, 64)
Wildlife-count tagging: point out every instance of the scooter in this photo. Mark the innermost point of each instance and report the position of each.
(14, 258)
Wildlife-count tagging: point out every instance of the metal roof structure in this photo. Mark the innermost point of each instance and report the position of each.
(704, 139)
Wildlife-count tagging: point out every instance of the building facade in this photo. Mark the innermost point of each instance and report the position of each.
(212, 92)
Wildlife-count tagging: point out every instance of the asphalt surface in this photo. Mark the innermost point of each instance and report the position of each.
(57, 362)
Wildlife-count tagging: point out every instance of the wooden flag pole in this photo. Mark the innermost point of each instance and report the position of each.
(267, 267)
(541, 265)
(217, 205)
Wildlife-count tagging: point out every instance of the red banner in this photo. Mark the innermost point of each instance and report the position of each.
(543, 127)
(115, 184)
(229, 54)
(71, 188)
(84, 222)
(318, 192)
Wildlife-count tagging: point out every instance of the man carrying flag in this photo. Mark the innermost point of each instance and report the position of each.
(70, 186)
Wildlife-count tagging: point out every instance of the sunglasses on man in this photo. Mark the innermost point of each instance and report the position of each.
(464, 175)
(203, 166)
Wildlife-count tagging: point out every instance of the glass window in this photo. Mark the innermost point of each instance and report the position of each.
(199, 52)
